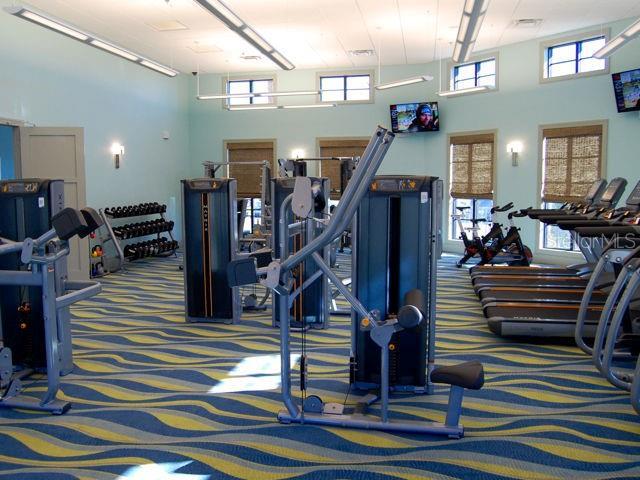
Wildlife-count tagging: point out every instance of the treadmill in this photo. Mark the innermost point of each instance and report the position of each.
(595, 192)
(522, 319)
(619, 217)
(559, 277)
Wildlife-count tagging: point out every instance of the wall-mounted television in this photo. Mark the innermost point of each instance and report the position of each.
(415, 117)
(626, 86)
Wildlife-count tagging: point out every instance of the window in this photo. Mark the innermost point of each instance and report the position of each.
(572, 58)
(345, 88)
(571, 162)
(475, 74)
(479, 208)
(471, 160)
(245, 160)
(555, 238)
(338, 148)
(250, 86)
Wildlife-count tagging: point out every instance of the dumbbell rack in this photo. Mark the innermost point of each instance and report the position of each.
(117, 234)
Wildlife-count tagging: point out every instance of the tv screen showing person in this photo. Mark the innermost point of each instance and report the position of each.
(415, 117)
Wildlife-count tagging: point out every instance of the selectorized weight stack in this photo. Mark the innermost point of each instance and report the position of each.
(210, 243)
(26, 208)
(310, 306)
(395, 250)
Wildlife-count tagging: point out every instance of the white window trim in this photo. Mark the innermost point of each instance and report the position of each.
(475, 59)
(235, 78)
(544, 46)
(351, 73)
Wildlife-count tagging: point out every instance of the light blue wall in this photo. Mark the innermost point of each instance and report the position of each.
(50, 80)
(6, 152)
(516, 111)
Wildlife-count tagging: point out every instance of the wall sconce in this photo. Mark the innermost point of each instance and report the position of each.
(297, 153)
(514, 148)
(117, 151)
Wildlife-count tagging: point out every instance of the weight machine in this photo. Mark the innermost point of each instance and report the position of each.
(278, 277)
(40, 263)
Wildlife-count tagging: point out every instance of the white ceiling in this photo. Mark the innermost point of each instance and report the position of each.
(319, 33)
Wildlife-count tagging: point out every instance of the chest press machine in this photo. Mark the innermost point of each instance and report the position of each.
(278, 277)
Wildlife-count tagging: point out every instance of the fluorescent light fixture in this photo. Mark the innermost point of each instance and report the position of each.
(280, 107)
(620, 40)
(253, 107)
(257, 39)
(54, 25)
(406, 81)
(470, 23)
(40, 18)
(278, 57)
(159, 68)
(241, 28)
(223, 96)
(223, 12)
(453, 93)
(313, 105)
(288, 94)
(115, 50)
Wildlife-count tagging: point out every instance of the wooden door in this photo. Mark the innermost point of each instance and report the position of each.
(58, 153)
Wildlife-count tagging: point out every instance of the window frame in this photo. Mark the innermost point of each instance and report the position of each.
(539, 244)
(494, 55)
(352, 73)
(449, 199)
(474, 209)
(475, 77)
(558, 42)
(249, 78)
(573, 247)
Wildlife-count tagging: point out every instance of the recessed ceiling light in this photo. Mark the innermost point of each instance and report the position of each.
(362, 53)
(168, 26)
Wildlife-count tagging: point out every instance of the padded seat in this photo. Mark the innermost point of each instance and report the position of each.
(466, 375)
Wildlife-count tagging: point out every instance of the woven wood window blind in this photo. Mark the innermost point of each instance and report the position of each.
(331, 168)
(472, 166)
(249, 177)
(572, 162)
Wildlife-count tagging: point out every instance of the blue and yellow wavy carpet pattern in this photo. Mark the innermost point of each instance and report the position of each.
(156, 398)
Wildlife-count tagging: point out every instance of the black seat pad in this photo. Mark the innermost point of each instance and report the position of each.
(466, 375)
(477, 220)
(462, 209)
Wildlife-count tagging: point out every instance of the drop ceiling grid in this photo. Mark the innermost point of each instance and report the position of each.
(319, 33)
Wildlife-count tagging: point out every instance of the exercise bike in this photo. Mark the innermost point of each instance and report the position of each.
(479, 245)
(508, 248)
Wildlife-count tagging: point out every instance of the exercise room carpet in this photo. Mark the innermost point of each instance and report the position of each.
(156, 398)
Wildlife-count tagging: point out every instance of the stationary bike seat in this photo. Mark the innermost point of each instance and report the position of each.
(462, 209)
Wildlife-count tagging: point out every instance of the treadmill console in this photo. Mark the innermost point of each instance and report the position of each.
(595, 191)
(613, 192)
(634, 197)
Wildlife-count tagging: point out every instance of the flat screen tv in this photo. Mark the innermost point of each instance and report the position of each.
(415, 117)
(626, 86)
